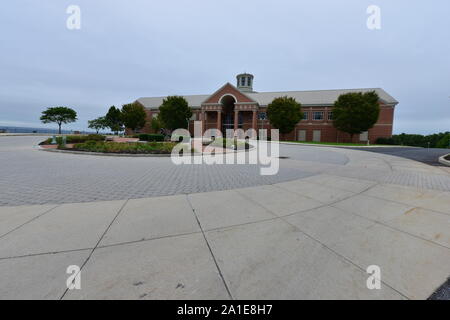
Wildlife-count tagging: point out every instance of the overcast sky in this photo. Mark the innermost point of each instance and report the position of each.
(128, 49)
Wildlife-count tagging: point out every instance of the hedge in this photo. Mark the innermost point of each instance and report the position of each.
(151, 137)
(77, 139)
(117, 147)
(386, 141)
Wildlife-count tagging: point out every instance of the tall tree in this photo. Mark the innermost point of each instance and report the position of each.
(174, 113)
(114, 120)
(356, 112)
(156, 124)
(284, 113)
(59, 115)
(134, 116)
(98, 124)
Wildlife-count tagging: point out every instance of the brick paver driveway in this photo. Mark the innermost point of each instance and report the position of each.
(221, 232)
(31, 176)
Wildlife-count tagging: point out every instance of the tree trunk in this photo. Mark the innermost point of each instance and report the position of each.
(59, 128)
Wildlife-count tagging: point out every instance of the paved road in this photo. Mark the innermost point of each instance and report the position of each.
(428, 156)
(32, 176)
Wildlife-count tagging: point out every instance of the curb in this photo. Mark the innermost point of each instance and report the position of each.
(131, 155)
(106, 154)
(344, 146)
(445, 161)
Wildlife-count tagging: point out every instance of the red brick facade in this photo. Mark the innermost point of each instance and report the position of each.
(245, 113)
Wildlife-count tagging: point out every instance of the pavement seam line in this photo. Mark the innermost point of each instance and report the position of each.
(31, 220)
(282, 218)
(343, 257)
(406, 204)
(384, 224)
(44, 253)
(98, 242)
(209, 247)
(148, 239)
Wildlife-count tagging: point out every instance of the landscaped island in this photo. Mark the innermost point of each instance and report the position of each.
(103, 144)
(139, 144)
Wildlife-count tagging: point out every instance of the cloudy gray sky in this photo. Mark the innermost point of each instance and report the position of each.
(134, 48)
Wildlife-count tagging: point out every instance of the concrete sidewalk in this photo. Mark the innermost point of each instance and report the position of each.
(301, 239)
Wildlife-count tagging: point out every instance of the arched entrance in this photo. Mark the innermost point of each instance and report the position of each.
(228, 110)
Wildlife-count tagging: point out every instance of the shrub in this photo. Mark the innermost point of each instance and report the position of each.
(61, 143)
(151, 137)
(95, 137)
(180, 138)
(134, 148)
(444, 142)
(77, 139)
(387, 141)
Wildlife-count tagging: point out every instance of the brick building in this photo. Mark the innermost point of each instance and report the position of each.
(233, 107)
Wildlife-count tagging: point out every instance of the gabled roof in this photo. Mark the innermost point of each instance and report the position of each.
(317, 97)
(306, 98)
(228, 88)
(193, 101)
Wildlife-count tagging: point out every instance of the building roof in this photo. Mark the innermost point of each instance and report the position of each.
(194, 101)
(306, 98)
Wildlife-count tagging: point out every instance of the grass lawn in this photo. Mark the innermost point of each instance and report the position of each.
(337, 143)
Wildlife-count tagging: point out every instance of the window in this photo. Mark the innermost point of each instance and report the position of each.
(305, 115)
(262, 116)
(317, 115)
(330, 115)
(243, 81)
(249, 81)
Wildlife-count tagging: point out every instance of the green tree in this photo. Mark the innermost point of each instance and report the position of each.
(59, 115)
(98, 124)
(134, 116)
(156, 124)
(356, 112)
(174, 113)
(284, 113)
(114, 120)
(444, 143)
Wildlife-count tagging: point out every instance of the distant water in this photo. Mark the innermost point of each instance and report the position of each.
(35, 130)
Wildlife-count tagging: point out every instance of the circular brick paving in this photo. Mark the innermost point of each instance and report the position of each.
(31, 176)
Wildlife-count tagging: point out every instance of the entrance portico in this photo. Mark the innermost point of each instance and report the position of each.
(229, 108)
